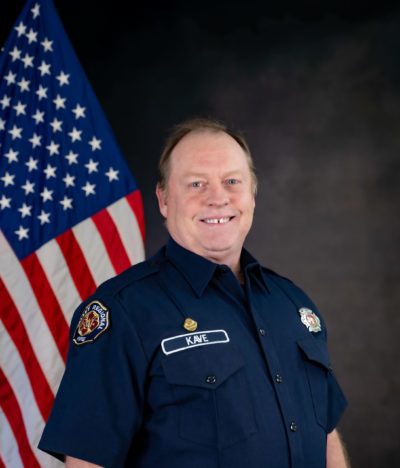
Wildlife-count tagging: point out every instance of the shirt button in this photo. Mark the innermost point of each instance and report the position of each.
(262, 332)
(211, 379)
(279, 378)
(293, 427)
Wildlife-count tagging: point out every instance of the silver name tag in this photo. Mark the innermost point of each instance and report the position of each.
(191, 340)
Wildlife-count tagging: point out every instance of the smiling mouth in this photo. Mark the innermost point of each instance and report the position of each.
(217, 220)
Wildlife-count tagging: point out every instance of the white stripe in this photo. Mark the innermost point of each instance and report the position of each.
(20, 290)
(8, 444)
(14, 370)
(128, 229)
(94, 251)
(57, 272)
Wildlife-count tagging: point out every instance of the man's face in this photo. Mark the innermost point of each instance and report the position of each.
(209, 201)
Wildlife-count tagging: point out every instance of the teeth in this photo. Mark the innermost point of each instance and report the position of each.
(216, 220)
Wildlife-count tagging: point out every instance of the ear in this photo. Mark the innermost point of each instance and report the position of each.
(162, 201)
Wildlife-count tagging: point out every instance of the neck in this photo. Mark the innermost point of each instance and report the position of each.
(239, 275)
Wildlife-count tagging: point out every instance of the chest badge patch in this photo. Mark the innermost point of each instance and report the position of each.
(190, 324)
(93, 322)
(191, 340)
(310, 320)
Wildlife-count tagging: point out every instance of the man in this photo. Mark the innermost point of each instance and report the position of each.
(199, 356)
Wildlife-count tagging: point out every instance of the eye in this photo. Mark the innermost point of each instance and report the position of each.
(232, 181)
(195, 184)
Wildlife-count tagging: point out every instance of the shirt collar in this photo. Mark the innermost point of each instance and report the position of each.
(251, 266)
(199, 271)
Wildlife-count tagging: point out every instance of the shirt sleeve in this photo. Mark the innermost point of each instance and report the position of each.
(98, 407)
(337, 403)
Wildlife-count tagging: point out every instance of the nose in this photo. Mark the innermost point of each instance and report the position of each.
(216, 195)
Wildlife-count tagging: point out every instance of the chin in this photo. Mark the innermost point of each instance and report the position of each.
(218, 247)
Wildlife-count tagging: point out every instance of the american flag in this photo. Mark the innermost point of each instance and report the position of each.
(71, 216)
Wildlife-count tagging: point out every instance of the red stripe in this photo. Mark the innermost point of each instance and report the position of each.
(2, 465)
(112, 241)
(77, 265)
(13, 414)
(135, 201)
(48, 303)
(16, 329)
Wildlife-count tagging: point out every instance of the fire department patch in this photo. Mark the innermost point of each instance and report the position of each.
(310, 320)
(93, 322)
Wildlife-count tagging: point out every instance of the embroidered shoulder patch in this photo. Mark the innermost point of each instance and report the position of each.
(93, 322)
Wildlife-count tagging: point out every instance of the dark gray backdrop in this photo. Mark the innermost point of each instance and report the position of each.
(316, 91)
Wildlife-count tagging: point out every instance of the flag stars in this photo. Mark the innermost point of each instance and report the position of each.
(53, 148)
(10, 78)
(35, 140)
(21, 28)
(44, 68)
(38, 116)
(35, 10)
(15, 54)
(59, 102)
(75, 134)
(69, 180)
(28, 187)
(47, 45)
(22, 233)
(50, 171)
(20, 108)
(25, 210)
(15, 132)
(5, 202)
(88, 188)
(66, 203)
(44, 217)
(8, 179)
(112, 174)
(79, 111)
(2, 124)
(28, 60)
(23, 84)
(56, 125)
(11, 156)
(63, 78)
(72, 158)
(5, 102)
(46, 194)
(31, 36)
(32, 164)
(95, 144)
(92, 166)
(41, 92)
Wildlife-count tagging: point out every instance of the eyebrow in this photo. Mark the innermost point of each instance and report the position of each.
(203, 174)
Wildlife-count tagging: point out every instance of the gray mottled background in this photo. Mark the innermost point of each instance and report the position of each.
(316, 91)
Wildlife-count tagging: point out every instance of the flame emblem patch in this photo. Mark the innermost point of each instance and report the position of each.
(310, 320)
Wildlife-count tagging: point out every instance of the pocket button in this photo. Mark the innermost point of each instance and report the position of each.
(211, 379)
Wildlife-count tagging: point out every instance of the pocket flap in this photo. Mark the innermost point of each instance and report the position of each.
(316, 351)
(206, 366)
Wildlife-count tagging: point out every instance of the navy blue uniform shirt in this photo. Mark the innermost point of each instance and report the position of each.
(248, 384)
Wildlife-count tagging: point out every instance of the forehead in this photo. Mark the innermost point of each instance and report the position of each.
(207, 148)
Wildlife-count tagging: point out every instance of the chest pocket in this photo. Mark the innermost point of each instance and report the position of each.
(327, 396)
(212, 394)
